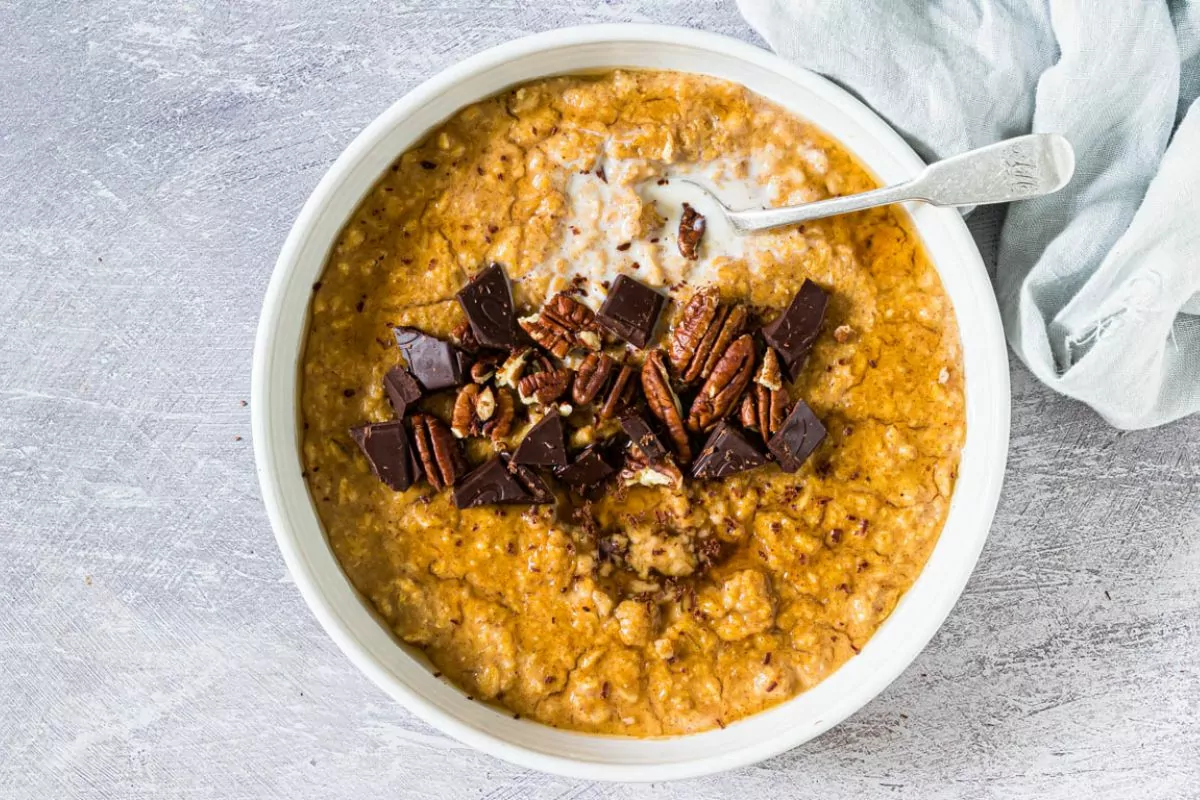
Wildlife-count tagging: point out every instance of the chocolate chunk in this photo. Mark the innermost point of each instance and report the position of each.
(726, 452)
(588, 470)
(793, 334)
(691, 231)
(644, 438)
(631, 310)
(389, 452)
(799, 436)
(434, 363)
(539, 492)
(489, 484)
(544, 445)
(402, 390)
(488, 303)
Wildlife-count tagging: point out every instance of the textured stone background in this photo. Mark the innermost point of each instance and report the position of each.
(152, 157)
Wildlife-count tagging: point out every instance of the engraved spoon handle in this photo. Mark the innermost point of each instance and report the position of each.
(1014, 169)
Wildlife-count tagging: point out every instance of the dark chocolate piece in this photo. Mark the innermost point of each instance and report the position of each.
(389, 452)
(726, 452)
(488, 303)
(644, 438)
(489, 484)
(539, 492)
(544, 445)
(631, 311)
(402, 390)
(797, 438)
(435, 364)
(793, 334)
(588, 470)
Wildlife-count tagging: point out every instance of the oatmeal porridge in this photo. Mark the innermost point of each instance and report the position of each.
(610, 466)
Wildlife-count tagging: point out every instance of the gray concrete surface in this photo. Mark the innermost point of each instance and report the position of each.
(152, 157)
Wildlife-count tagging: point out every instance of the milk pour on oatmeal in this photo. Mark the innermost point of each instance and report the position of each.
(684, 475)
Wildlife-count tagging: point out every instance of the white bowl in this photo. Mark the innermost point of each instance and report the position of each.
(402, 671)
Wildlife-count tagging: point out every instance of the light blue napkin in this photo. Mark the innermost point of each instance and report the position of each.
(1099, 285)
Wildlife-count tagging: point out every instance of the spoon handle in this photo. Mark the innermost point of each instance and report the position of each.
(1014, 169)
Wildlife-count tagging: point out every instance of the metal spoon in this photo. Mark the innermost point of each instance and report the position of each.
(1014, 169)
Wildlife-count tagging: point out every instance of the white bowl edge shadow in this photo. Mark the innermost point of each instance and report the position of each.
(402, 671)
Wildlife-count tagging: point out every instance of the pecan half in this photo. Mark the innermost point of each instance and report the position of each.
(473, 407)
(691, 231)
(485, 367)
(439, 451)
(620, 394)
(697, 318)
(724, 387)
(564, 324)
(593, 373)
(544, 387)
(703, 335)
(664, 403)
(727, 326)
(764, 410)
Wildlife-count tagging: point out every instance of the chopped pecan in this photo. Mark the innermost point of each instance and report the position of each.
(664, 403)
(544, 387)
(691, 230)
(638, 471)
(439, 450)
(721, 392)
(770, 374)
(564, 324)
(473, 407)
(513, 368)
(501, 423)
(462, 418)
(764, 410)
(482, 372)
(593, 373)
(464, 338)
(620, 394)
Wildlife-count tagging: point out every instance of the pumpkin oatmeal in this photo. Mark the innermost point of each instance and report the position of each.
(610, 466)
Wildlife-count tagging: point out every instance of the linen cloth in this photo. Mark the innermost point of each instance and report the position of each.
(1099, 284)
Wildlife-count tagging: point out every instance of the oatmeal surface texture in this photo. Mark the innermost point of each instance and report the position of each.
(514, 604)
